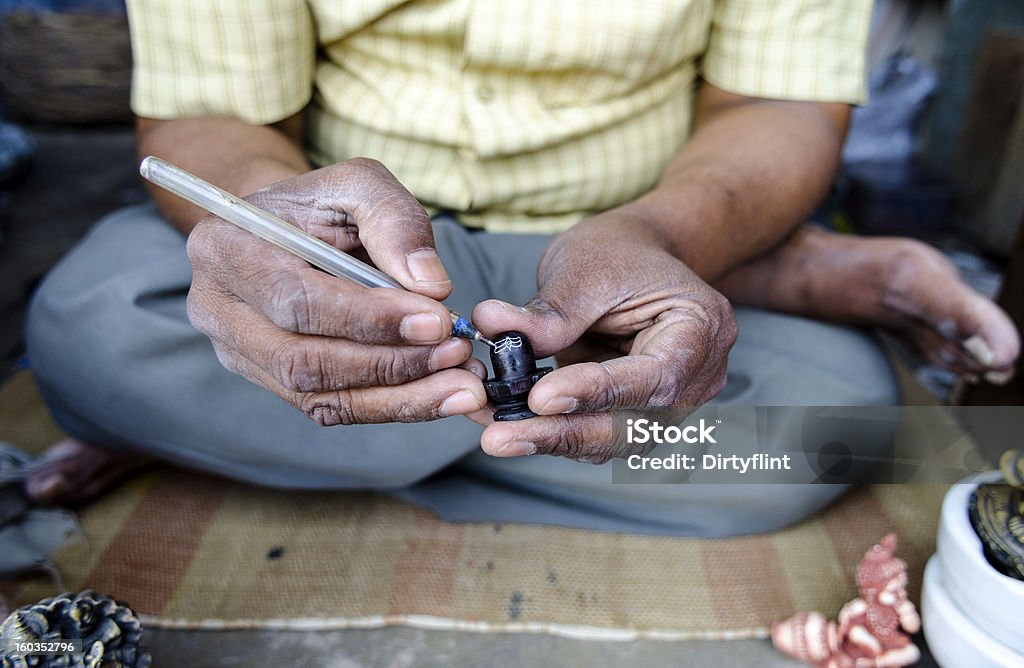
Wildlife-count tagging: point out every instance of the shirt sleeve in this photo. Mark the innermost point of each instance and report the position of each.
(248, 59)
(811, 50)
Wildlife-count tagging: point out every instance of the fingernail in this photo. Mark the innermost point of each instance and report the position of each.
(423, 328)
(425, 266)
(460, 403)
(447, 354)
(998, 377)
(980, 350)
(558, 405)
(516, 449)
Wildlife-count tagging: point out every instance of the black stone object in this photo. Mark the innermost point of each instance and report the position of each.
(515, 373)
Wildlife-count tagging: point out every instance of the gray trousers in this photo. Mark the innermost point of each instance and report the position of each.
(120, 366)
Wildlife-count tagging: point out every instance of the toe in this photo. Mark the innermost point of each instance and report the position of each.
(941, 351)
(990, 336)
(47, 488)
(928, 288)
(72, 471)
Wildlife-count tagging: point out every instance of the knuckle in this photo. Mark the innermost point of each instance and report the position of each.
(300, 369)
(362, 162)
(198, 243)
(668, 384)
(228, 359)
(288, 303)
(730, 330)
(194, 310)
(263, 198)
(328, 411)
(408, 411)
(607, 391)
(390, 368)
(200, 312)
(720, 302)
(610, 394)
(360, 318)
(719, 385)
(360, 172)
(595, 458)
(671, 382)
(569, 442)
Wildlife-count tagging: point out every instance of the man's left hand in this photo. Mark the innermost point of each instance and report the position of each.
(610, 290)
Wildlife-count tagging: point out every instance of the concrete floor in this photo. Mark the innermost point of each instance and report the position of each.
(401, 647)
(81, 174)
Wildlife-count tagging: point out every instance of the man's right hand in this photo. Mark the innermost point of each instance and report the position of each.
(341, 353)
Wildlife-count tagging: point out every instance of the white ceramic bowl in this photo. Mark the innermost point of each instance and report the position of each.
(995, 602)
(953, 639)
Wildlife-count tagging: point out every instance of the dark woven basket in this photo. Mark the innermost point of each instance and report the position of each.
(66, 68)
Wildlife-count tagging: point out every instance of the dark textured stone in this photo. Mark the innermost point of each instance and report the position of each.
(515, 373)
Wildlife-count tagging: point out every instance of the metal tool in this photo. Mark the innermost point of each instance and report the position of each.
(270, 228)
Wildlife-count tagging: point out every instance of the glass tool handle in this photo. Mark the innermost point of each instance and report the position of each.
(263, 224)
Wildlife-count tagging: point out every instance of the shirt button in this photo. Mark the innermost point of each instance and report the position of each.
(485, 93)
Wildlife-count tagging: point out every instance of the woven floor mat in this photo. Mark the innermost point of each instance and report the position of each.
(189, 550)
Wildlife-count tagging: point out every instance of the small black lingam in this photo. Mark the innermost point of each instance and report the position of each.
(515, 372)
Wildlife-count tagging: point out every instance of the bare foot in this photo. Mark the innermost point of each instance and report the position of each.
(902, 285)
(72, 472)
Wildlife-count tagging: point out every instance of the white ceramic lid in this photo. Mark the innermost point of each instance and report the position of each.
(953, 639)
(994, 601)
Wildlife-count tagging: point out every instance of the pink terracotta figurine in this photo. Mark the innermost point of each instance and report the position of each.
(872, 629)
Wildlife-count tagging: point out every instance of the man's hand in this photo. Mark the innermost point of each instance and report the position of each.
(608, 288)
(339, 352)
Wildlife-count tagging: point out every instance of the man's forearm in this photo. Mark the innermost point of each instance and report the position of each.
(232, 154)
(752, 172)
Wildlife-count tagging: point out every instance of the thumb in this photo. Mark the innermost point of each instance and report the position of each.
(553, 320)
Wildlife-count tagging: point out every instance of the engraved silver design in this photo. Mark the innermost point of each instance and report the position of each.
(508, 343)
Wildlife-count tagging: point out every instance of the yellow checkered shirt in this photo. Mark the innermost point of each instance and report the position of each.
(516, 115)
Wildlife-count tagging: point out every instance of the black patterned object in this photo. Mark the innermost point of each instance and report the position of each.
(997, 515)
(111, 632)
(515, 373)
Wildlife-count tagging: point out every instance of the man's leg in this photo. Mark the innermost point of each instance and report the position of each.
(121, 367)
(136, 375)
